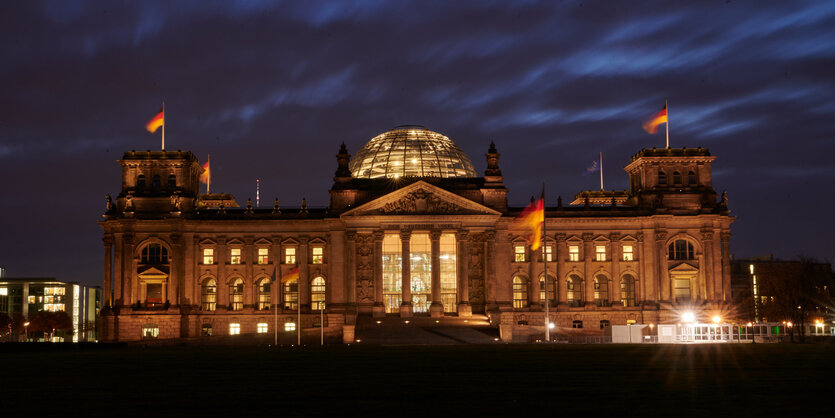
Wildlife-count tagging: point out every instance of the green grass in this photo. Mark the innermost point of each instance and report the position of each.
(648, 380)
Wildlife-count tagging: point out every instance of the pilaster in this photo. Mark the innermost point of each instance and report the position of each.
(406, 274)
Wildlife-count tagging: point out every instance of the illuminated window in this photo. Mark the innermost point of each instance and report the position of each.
(33, 299)
(574, 290)
(208, 256)
(289, 326)
(236, 295)
(206, 330)
(519, 253)
(4, 291)
(628, 254)
(552, 290)
(150, 332)
(601, 290)
(549, 253)
(627, 290)
(392, 268)
(154, 254)
(681, 289)
(680, 250)
(263, 328)
(209, 295)
(234, 328)
(290, 255)
(318, 255)
(172, 181)
(600, 252)
(263, 256)
(317, 293)
(291, 294)
(264, 294)
(420, 248)
(576, 324)
(520, 292)
(573, 253)
(449, 276)
(691, 179)
(235, 256)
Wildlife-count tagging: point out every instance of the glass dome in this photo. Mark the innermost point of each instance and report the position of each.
(410, 151)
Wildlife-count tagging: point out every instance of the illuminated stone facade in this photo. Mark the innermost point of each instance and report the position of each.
(181, 264)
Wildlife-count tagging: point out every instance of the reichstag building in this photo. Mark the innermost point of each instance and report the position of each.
(411, 230)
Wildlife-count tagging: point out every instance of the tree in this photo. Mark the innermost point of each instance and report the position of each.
(48, 322)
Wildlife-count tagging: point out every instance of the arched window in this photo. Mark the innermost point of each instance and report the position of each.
(681, 249)
(552, 290)
(208, 295)
(676, 178)
(574, 290)
(236, 295)
(601, 290)
(157, 182)
(154, 254)
(291, 294)
(172, 181)
(317, 293)
(691, 179)
(520, 292)
(264, 294)
(627, 290)
(140, 181)
(662, 178)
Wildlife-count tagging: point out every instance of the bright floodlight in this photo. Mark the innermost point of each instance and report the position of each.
(688, 317)
(716, 319)
(551, 325)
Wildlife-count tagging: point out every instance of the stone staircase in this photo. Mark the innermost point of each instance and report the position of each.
(393, 330)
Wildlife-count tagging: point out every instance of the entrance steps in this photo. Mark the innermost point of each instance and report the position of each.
(393, 330)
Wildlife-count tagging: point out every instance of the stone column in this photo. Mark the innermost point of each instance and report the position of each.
(406, 274)
(249, 258)
(726, 266)
(190, 275)
(350, 269)
(614, 282)
(379, 308)
(302, 259)
(118, 269)
(560, 254)
(588, 273)
(436, 309)
(464, 307)
(490, 285)
(661, 263)
(174, 274)
(131, 284)
(534, 296)
(275, 265)
(646, 272)
(706, 267)
(108, 256)
(222, 287)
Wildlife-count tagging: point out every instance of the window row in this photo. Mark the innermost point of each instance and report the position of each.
(156, 181)
(317, 255)
(676, 178)
(600, 254)
(575, 289)
(289, 294)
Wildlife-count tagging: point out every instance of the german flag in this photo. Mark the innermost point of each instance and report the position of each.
(651, 125)
(206, 176)
(156, 121)
(532, 218)
(291, 275)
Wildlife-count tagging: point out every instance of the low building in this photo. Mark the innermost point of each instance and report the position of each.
(25, 296)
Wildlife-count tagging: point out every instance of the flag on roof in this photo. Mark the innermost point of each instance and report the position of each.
(651, 125)
(532, 217)
(157, 121)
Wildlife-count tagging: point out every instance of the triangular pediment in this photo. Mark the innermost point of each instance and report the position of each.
(152, 273)
(684, 268)
(420, 198)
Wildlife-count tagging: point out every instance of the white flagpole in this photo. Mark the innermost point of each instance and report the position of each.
(209, 180)
(275, 304)
(322, 323)
(163, 125)
(545, 268)
(601, 171)
(667, 108)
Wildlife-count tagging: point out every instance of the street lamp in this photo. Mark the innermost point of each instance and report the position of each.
(688, 317)
(26, 327)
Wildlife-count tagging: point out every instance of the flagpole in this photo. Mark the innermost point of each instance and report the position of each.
(545, 266)
(322, 323)
(275, 305)
(601, 171)
(299, 305)
(163, 125)
(209, 179)
(666, 108)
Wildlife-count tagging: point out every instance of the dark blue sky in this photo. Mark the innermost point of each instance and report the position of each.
(271, 90)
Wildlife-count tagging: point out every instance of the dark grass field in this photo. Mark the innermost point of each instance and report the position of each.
(509, 380)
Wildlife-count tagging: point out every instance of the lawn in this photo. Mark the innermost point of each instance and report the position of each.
(509, 380)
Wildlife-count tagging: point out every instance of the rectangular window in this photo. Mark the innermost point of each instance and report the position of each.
(392, 277)
(573, 253)
(234, 328)
(235, 256)
(449, 282)
(576, 324)
(263, 328)
(289, 326)
(600, 252)
(290, 255)
(150, 332)
(32, 299)
(206, 330)
(208, 256)
(549, 253)
(519, 253)
(318, 255)
(4, 291)
(263, 256)
(627, 253)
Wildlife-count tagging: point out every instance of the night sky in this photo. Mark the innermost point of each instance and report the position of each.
(271, 90)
